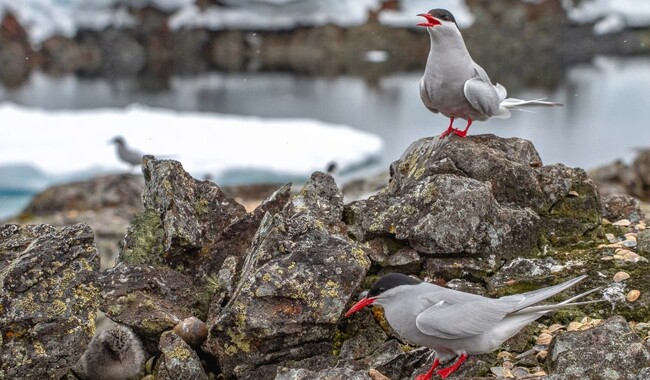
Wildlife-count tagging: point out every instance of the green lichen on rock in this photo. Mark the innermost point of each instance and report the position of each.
(144, 240)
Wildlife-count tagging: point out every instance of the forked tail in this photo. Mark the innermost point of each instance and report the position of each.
(514, 104)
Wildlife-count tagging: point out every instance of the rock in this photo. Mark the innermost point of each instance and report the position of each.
(621, 206)
(193, 331)
(178, 360)
(326, 374)
(644, 374)
(236, 238)
(122, 54)
(15, 51)
(300, 273)
(457, 197)
(106, 203)
(48, 298)
(182, 216)
(643, 242)
(149, 299)
(609, 351)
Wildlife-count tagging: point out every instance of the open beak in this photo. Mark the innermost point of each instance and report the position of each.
(431, 21)
(360, 305)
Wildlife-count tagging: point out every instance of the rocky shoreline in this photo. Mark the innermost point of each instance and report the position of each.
(266, 289)
(151, 50)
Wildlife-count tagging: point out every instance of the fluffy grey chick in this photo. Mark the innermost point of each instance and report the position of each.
(126, 154)
(113, 354)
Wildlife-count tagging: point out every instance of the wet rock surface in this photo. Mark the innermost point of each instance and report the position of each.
(260, 294)
(48, 298)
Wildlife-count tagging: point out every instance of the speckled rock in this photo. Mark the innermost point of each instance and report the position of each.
(326, 374)
(609, 351)
(300, 273)
(236, 238)
(621, 206)
(48, 298)
(182, 216)
(643, 240)
(106, 203)
(150, 299)
(178, 360)
(479, 195)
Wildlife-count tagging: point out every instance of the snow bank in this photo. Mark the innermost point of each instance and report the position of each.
(62, 143)
(612, 15)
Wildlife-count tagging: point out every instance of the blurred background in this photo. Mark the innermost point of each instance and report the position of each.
(267, 91)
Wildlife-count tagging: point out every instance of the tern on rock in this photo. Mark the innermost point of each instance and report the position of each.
(454, 323)
(456, 86)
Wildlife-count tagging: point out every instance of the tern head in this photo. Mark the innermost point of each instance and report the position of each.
(119, 140)
(440, 18)
(383, 289)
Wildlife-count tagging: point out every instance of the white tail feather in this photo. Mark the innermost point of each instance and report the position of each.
(513, 103)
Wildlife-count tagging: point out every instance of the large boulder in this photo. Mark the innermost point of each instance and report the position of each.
(48, 298)
(182, 216)
(482, 195)
(295, 283)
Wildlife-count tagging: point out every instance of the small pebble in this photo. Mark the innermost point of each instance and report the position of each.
(611, 238)
(631, 235)
(539, 374)
(544, 339)
(629, 243)
(502, 372)
(574, 326)
(622, 222)
(508, 365)
(505, 355)
(573, 193)
(193, 331)
(632, 257)
(607, 258)
(376, 375)
(621, 276)
(553, 328)
(633, 295)
(541, 356)
(520, 372)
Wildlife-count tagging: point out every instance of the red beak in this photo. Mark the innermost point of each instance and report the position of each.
(431, 21)
(360, 305)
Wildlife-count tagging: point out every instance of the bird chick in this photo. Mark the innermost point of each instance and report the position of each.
(113, 354)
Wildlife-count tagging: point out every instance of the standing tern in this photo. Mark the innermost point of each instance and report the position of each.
(454, 323)
(456, 86)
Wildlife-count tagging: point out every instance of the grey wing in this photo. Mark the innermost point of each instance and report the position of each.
(424, 95)
(454, 321)
(482, 96)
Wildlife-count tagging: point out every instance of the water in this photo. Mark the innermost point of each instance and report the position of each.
(603, 118)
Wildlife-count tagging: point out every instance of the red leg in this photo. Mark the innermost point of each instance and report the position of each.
(429, 373)
(449, 130)
(463, 133)
(444, 372)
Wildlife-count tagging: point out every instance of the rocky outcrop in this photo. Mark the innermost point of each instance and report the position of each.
(216, 291)
(48, 298)
(296, 281)
(478, 196)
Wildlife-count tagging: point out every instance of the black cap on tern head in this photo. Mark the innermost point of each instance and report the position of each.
(442, 14)
(390, 281)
